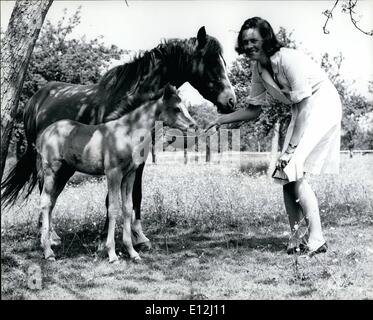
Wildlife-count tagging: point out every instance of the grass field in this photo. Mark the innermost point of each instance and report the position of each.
(218, 232)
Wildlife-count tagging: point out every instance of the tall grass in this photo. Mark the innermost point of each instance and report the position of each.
(205, 198)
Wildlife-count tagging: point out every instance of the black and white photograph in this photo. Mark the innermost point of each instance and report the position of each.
(204, 151)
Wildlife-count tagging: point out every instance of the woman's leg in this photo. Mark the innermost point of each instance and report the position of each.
(310, 206)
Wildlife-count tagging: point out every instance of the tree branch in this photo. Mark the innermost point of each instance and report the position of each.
(346, 8)
(329, 15)
(351, 6)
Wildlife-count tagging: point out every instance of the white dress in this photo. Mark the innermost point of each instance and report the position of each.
(304, 84)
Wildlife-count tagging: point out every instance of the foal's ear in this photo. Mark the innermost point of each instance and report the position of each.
(201, 37)
(169, 91)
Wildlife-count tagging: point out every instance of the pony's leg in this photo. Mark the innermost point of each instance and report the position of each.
(127, 187)
(114, 179)
(139, 239)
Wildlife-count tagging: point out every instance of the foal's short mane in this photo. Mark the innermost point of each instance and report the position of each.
(133, 102)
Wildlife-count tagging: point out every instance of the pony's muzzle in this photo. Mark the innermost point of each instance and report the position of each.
(226, 101)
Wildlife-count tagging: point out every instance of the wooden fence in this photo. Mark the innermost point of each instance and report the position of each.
(228, 157)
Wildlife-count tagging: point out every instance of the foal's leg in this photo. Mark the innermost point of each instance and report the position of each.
(62, 176)
(55, 239)
(114, 179)
(51, 190)
(103, 234)
(139, 239)
(127, 187)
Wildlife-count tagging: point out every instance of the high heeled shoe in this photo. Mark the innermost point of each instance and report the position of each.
(322, 249)
(304, 249)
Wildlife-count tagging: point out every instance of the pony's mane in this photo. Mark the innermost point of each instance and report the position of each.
(129, 85)
(125, 79)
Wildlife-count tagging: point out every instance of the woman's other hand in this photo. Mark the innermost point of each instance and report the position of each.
(283, 161)
(285, 158)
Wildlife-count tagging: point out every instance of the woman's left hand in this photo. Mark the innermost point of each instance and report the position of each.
(283, 161)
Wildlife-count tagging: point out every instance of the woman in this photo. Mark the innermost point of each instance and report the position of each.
(312, 142)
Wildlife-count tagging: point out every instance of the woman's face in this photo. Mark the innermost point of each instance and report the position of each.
(252, 43)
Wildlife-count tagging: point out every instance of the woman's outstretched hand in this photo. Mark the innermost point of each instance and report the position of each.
(212, 124)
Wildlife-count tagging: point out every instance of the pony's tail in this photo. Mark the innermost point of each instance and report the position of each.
(22, 173)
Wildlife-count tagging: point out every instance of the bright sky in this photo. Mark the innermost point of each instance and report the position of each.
(142, 25)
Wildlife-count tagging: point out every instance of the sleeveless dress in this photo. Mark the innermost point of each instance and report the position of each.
(304, 85)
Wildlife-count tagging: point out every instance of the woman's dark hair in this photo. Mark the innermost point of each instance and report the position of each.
(270, 43)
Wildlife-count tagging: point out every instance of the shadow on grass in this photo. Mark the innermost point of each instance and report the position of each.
(81, 242)
(225, 240)
(85, 241)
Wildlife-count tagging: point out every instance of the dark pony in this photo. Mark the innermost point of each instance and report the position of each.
(198, 61)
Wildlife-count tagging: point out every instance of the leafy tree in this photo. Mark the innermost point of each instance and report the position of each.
(57, 57)
(355, 106)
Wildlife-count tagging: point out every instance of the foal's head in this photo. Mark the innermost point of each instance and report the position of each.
(173, 112)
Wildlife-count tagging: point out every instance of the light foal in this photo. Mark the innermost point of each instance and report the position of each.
(114, 148)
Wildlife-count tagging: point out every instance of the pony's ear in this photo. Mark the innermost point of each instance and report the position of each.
(201, 37)
(169, 91)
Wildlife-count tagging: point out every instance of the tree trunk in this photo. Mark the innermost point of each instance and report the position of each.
(154, 156)
(274, 148)
(23, 30)
(208, 150)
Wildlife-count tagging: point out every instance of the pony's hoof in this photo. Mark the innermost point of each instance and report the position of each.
(51, 258)
(143, 246)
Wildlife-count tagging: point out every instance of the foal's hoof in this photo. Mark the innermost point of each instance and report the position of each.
(55, 239)
(55, 242)
(101, 251)
(51, 259)
(143, 246)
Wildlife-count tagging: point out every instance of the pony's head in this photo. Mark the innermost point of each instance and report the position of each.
(173, 112)
(209, 74)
